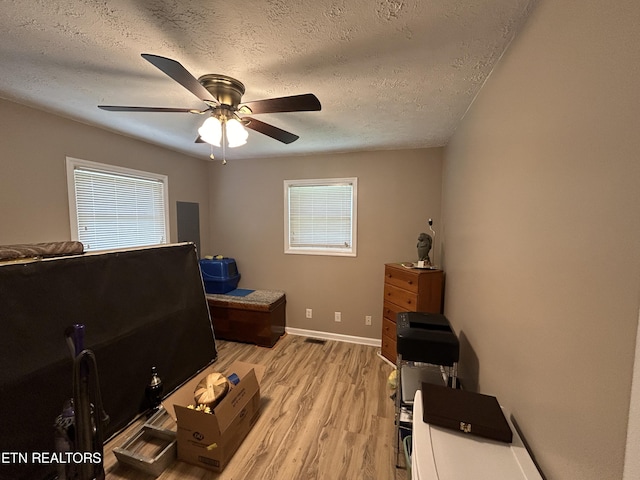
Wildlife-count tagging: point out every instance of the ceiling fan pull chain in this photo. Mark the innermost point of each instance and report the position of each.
(224, 144)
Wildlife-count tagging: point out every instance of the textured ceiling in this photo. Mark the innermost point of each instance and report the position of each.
(389, 73)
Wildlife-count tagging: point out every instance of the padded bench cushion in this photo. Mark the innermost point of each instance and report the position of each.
(262, 300)
(40, 250)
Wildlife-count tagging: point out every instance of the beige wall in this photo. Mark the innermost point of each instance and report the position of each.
(541, 226)
(34, 206)
(397, 192)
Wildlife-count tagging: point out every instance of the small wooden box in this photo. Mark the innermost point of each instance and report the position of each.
(464, 411)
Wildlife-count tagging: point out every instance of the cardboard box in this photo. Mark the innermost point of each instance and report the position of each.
(210, 440)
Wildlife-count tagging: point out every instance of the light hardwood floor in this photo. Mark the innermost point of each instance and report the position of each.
(326, 414)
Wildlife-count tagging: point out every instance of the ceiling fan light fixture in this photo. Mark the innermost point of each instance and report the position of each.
(211, 131)
(236, 133)
(223, 97)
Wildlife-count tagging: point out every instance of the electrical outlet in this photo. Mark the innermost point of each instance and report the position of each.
(338, 316)
(309, 313)
(367, 320)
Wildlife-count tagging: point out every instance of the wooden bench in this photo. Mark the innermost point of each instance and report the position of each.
(258, 317)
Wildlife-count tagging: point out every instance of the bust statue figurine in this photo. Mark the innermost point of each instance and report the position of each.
(424, 246)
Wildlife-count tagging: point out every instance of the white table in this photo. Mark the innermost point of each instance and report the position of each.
(441, 454)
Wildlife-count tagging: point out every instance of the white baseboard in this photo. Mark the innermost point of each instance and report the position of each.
(386, 359)
(372, 342)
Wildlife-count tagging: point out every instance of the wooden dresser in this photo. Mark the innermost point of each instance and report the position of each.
(407, 290)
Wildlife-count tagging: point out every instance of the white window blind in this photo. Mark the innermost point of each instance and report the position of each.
(115, 208)
(321, 216)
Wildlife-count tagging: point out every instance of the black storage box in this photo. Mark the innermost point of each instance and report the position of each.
(466, 412)
(426, 337)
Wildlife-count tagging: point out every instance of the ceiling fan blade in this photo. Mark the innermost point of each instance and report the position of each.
(307, 102)
(180, 74)
(269, 130)
(117, 108)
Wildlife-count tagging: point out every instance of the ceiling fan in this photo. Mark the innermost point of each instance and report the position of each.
(227, 118)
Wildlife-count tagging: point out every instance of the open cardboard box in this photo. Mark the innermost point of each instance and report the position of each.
(210, 440)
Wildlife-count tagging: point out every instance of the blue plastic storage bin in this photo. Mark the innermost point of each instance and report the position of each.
(219, 275)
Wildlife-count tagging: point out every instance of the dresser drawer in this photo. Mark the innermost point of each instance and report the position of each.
(388, 328)
(391, 311)
(401, 277)
(406, 300)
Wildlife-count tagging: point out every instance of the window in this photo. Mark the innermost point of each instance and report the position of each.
(114, 207)
(320, 216)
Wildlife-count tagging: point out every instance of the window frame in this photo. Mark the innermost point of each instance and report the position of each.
(72, 164)
(329, 251)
